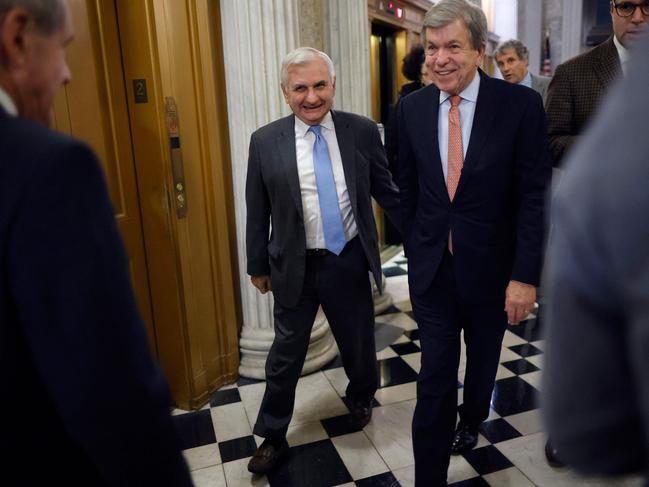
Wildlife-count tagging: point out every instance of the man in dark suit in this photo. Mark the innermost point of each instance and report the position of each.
(311, 175)
(474, 172)
(83, 403)
(595, 382)
(579, 85)
(513, 60)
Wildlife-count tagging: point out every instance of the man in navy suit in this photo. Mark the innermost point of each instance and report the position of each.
(474, 172)
(83, 403)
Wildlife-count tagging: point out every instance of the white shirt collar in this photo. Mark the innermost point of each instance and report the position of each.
(470, 93)
(302, 128)
(527, 80)
(622, 52)
(7, 103)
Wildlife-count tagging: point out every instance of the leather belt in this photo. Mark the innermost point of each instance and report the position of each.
(317, 252)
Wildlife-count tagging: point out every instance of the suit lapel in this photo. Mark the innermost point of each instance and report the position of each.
(347, 146)
(424, 129)
(286, 146)
(485, 111)
(608, 62)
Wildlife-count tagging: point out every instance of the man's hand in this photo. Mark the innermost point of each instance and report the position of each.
(519, 301)
(262, 283)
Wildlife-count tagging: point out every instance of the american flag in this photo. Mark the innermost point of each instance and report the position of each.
(546, 65)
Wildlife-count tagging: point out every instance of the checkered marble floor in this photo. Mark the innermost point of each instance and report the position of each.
(218, 439)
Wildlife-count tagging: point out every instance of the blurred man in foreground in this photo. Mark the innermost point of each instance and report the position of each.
(596, 387)
(83, 403)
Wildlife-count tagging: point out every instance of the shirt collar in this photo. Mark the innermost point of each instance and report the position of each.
(527, 80)
(7, 103)
(622, 52)
(302, 128)
(470, 93)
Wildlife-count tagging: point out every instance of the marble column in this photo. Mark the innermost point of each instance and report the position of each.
(571, 31)
(256, 36)
(347, 41)
(530, 21)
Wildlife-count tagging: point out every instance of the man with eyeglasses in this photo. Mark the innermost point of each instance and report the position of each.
(579, 86)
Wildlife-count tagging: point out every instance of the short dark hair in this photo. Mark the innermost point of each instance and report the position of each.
(412, 62)
(48, 15)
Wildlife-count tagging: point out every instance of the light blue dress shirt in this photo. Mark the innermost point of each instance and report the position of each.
(467, 110)
(527, 80)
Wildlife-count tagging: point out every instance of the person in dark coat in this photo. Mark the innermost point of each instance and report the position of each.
(83, 402)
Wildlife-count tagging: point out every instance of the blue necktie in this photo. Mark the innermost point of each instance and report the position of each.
(332, 223)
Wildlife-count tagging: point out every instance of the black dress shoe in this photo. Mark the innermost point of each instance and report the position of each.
(551, 455)
(361, 413)
(466, 437)
(267, 457)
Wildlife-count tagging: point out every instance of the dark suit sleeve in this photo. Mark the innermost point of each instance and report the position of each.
(560, 115)
(532, 173)
(383, 188)
(79, 316)
(408, 177)
(257, 216)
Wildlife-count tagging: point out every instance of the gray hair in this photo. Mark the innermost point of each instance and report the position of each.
(304, 55)
(49, 15)
(446, 12)
(521, 51)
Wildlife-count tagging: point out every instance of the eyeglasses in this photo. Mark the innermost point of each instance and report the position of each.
(627, 9)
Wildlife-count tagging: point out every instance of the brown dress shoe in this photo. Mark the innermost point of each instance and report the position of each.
(267, 457)
(361, 413)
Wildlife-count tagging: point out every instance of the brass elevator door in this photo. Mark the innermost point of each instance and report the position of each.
(93, 107)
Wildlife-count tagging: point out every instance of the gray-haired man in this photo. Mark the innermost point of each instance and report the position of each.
(472, 226)
(512, 58)
(311, 174)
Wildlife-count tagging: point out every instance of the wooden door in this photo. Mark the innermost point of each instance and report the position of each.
(93, 107)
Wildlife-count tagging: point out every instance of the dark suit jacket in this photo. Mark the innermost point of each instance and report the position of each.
(273, 195)
(596, 382)
(576, 90)
(497, 214)
(82, 403)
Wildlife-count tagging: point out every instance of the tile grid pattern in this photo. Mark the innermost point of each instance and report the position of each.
(325, 451)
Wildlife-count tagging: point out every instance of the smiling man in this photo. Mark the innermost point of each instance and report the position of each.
(474, 168)
(579, 85)
(311, 175)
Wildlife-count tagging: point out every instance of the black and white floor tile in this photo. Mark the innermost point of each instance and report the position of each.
(218, 439)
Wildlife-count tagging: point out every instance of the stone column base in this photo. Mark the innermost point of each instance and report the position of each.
(255, 344)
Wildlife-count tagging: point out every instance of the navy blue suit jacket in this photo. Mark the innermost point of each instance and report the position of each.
(496, 216)
(83, 402)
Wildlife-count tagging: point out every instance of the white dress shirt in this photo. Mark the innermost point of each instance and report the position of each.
(7, 103)
(467, 110)
(304, 141)
(623, 54)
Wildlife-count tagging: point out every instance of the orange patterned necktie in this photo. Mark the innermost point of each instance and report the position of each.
(455, 152)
